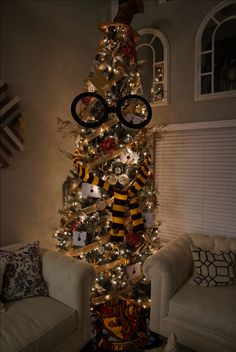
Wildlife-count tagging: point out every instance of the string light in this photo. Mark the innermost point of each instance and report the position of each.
(110, 259)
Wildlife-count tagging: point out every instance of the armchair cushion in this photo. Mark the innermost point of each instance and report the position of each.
(211, 308)
(36, 324)
(22, 277)
(211, 268)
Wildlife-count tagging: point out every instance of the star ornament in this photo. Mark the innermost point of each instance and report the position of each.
(129, 157)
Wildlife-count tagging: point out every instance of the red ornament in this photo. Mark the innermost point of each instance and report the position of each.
(129, 52)
(75, 225)
(108, 144)
(133, 239)
(86, 100)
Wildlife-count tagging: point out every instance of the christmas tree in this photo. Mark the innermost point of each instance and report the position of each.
(109, 197)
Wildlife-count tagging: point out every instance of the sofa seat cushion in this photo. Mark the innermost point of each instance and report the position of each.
(36, 324)
(212, 308)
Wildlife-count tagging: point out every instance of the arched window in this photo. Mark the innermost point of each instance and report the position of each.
(215, 64)
(152, 51)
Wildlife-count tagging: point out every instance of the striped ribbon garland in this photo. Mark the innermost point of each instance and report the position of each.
(121, 199)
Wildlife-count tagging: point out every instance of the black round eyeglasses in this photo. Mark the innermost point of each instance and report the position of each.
(90, 109)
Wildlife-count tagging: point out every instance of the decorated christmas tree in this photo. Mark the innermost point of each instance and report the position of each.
(109, 196)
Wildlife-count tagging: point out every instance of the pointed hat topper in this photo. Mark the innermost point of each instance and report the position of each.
(127, 11)
(114, 77)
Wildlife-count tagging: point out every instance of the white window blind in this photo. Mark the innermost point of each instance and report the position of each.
(195, 174)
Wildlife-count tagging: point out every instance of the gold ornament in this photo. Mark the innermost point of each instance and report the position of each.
(112, 179)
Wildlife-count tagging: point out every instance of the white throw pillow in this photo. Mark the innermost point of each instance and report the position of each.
(212, 268)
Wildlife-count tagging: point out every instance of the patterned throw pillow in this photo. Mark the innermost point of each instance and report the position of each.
(212, 269)
(22, 277)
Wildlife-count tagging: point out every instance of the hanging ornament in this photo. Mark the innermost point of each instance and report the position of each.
(75, 225)
(134, 271)
(101, 204)
(89, 190)
(79, 238)
(112, 179)
(86, 100)
(128, 52)
(117, 168)
(109, 144)
(133, 240)
(130, 157)
(123, 179)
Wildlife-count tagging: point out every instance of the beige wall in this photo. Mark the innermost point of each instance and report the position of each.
(47, 50)
(180, 20)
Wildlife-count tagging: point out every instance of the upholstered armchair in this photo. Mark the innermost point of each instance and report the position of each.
(202, 318)
(57, 322)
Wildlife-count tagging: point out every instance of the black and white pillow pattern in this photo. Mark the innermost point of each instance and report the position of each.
(212, 269)
(22, 277)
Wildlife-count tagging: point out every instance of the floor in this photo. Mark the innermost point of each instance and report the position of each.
(154, 341)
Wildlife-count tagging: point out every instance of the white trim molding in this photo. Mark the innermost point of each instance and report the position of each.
(163, 65)
(197, 125)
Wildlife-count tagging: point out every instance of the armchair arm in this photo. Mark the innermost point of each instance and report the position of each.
(167, 269)
(69, 281)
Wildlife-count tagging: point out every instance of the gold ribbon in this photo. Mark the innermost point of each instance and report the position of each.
(89, 247)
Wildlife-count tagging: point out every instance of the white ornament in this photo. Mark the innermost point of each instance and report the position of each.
(89, 190)
(132, 118)
(112, 179)
(129, 157)
(123, 179)
(134, 270)
(79, 238)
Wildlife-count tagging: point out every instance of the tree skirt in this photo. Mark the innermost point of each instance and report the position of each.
(121, 325)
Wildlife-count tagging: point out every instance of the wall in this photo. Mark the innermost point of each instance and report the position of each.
(47, 51)
(180, 20)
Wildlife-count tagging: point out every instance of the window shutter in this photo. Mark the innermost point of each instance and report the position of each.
(195, 174)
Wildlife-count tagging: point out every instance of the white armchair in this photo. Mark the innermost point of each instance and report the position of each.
(58, 323)
(202, 318)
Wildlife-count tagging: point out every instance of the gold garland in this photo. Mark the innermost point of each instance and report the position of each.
(102, 83)
(89, 247)
(107, 157)
(104, 298)
(114, 154)
(93, 208)
(112, 265)
(96, 133)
